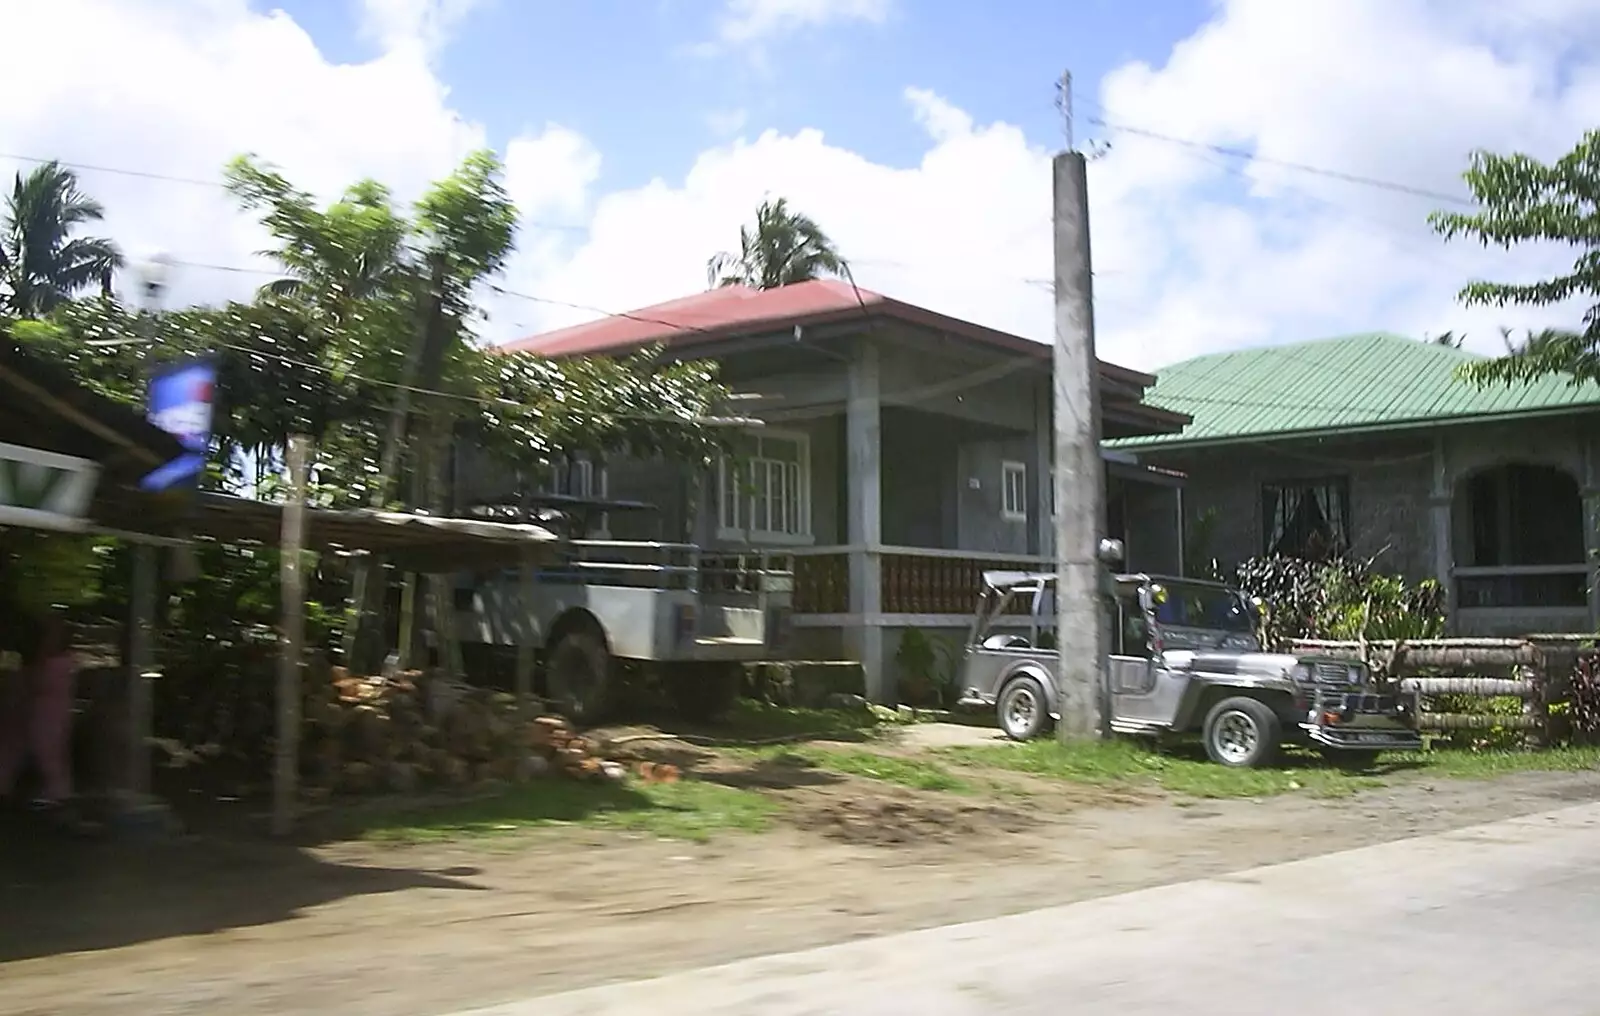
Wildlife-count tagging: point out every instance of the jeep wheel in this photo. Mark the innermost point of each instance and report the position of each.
(578, 677)
(1022, 709)
(1242, 732)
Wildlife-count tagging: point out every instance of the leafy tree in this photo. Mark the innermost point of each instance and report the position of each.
(784, 247)
(1522, 199)
(42, 265)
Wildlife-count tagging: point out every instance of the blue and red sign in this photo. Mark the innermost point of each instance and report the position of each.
(180, 403)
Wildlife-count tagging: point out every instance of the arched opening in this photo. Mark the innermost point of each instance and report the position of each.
(1518, 538)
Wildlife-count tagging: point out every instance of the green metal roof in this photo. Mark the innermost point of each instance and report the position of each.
(1351, 384)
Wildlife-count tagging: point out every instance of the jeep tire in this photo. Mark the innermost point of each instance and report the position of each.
(1242, 732)
(1022, 709)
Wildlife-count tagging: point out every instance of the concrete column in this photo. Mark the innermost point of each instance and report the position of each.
(1591, 524)
(1041, 451)
(1183, 537)
(1440, 497)
(864, 504)
(703, 503)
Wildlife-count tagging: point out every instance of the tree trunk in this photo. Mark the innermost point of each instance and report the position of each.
(366, 620)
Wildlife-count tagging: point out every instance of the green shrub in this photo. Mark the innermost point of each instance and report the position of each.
(927, 665)
(1339, 599)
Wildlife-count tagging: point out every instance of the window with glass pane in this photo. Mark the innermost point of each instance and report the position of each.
(1306, 518)
(763, 492)
(1014, 490)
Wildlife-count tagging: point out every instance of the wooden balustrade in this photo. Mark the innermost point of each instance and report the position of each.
(923, 584)
(912, 583)
(822, 583)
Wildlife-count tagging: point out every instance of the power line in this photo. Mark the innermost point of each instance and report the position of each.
(192, 181)
(913, 394)
(1333, 174)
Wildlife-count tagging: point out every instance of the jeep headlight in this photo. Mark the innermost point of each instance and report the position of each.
(1302, 673)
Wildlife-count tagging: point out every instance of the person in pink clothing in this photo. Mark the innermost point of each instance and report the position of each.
(48, 676)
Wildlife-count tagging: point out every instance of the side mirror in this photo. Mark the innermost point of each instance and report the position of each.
(1110, 552)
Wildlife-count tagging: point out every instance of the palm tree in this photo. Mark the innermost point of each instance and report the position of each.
(785, 247)
(41, 264)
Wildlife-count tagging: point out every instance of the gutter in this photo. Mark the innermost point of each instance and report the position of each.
(1142, 446)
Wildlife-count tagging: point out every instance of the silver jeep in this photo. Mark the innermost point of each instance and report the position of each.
(1184, 659)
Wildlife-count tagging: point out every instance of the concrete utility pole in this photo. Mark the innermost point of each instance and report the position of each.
(291, 580)
(1080, 474)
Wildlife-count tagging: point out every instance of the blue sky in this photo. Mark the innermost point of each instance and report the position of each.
(931, 170)
(627, 75)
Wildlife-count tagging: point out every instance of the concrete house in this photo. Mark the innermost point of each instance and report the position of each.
(903, 452)
(1371, 442)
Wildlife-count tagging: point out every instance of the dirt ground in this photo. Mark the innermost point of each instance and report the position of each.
(241, 926)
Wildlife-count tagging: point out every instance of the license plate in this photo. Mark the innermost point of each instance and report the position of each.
(1373, 736)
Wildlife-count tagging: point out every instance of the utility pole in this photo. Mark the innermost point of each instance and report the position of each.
(1079, 472)
(286, 761)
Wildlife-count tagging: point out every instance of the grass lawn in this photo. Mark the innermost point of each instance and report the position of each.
(689, 810)
(922, 773)
(751, 720)
(1125, 762)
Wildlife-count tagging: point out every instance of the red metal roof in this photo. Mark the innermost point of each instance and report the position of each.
(730, 311)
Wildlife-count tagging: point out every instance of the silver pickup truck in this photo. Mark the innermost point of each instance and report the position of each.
(1184, 659)
(689, 616)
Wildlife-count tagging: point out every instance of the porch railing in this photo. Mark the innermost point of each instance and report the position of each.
(1528, 586)
(913, 580)
(822, 581)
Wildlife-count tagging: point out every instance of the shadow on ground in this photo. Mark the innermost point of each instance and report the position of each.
(780, 772)
(62, 895)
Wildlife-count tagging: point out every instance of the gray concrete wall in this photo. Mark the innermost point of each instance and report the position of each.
(1389, 482)
(1392, 481)
(982, 526)
(1150, 516)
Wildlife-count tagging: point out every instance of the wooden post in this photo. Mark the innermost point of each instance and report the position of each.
(408, 620)
(286, 771)
(1536, 704)
(524, 631)
(141, 662)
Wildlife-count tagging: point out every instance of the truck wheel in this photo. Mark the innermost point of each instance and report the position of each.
(701, 692)
(578, 677)
(1022, 709)
(1242, 732)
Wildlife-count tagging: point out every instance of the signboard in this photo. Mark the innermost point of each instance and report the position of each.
(44, 490)
(180, 403)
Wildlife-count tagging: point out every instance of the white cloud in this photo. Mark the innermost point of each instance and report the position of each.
(412, 24)
(1194, 250)
(752, 21)
(725, 122)
(178, 87)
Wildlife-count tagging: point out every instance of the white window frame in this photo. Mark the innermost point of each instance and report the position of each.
(727, 529)
(1008, 470)
(582, 478)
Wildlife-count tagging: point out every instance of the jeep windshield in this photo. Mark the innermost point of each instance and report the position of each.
(1195, 605)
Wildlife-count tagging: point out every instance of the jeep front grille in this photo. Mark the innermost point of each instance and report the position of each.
(1332, 673)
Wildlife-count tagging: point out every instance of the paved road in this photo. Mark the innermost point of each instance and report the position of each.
(1495, 919)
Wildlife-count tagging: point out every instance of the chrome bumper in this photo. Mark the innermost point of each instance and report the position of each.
(1363, 738)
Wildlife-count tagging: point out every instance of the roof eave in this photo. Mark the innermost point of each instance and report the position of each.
(881, 307)
(1144, 444)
